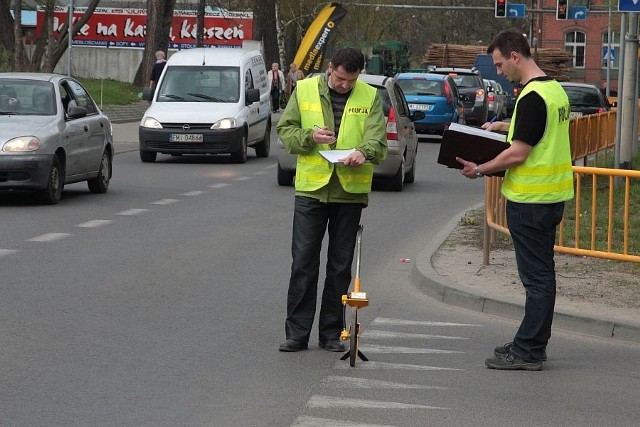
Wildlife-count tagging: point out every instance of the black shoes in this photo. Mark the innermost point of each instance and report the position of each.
(511, 362)
(332, 345)
(293, 345)
(504, 350)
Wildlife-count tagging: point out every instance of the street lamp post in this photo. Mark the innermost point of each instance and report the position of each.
(70, 33)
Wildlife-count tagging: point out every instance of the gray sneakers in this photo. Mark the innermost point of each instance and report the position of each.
(503, 350)
(511, 362)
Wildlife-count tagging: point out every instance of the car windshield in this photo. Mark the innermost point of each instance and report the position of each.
(421, 87)
(583, 97)
(200, 84)
(465, 81)
(27, 97)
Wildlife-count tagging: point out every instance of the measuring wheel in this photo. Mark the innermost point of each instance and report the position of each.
(356, 300)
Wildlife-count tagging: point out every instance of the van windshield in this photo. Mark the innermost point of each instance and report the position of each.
(199, 84)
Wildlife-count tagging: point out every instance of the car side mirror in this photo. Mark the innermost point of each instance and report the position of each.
(76, 112)
(251, 96)
(417, 115)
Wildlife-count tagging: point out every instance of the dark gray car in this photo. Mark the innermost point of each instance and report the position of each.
(51, 134)
(471, 87)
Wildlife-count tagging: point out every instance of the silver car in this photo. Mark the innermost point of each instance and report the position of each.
(51, 134)
(400, 165)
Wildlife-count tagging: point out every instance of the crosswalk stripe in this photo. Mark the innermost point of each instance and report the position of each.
(385, 365)
(350, 382)
(377, 334)
(304, 421)
(48, 237)
(94, 223)
(403, 322)
(318, 401)
(164, 202)
(371, 348)
(131, 212)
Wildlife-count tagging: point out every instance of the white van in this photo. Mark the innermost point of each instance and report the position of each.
(208, 101)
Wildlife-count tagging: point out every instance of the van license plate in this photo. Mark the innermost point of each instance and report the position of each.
(186, 137)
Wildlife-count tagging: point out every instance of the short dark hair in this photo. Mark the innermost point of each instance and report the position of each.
(352, 60)
(508, 41)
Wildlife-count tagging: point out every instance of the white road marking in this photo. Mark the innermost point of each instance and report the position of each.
(369, 348)
(376, 334)
(341, 364)
(242, 178)
(193, 193)
(402, 322)
(131, 212)
(317, 401)
(219, 185)
(7, 252)
(261, 173)
(350, 382)
(304, 421)
(164, 202)
(94, 223)
(49, 237)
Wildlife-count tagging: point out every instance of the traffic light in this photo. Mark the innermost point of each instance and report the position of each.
(562, 8)
(501, 8)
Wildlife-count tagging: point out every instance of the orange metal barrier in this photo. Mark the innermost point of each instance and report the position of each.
(591, 226)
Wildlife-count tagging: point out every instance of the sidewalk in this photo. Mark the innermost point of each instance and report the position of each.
(496, 299)
(125, 120)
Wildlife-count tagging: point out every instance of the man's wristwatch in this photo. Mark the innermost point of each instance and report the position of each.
(478, 173)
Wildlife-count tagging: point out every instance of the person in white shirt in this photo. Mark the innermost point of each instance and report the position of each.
(276, 81)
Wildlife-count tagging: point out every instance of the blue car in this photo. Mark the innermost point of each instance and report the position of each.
(437, 96)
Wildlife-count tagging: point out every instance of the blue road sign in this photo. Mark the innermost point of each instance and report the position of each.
(629, 5)
(579, 12)
(608, 54)
(517, 10)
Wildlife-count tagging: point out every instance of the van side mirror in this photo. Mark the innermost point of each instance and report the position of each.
(251, 96)
(147, 93)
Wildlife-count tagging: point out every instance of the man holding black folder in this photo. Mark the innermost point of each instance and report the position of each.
(538, 180)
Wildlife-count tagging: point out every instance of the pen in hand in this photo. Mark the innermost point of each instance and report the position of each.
(330, 134)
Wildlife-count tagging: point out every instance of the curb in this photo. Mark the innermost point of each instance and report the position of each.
(426, 279)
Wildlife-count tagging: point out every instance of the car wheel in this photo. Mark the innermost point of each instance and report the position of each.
(52, 193)
(240, 156)
(410, 177)
(264, 146)
(148, 156)
(396, 182)
(100, 184)
(285, 178)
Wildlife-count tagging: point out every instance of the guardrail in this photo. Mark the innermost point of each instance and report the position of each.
(598, 222)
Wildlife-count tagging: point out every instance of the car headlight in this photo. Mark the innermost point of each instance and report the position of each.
(150, 122)
(228, 123)
(21, 144)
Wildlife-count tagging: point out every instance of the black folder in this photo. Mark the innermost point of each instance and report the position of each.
(472, 144)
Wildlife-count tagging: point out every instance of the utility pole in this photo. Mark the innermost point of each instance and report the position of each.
(628, 108)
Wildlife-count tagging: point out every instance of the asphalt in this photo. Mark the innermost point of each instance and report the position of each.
(125, 119)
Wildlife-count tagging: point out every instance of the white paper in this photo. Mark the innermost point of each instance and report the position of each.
(335, 156)
(477, 131)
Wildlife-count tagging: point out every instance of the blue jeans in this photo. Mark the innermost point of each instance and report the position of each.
(311, 219)
(533, 231)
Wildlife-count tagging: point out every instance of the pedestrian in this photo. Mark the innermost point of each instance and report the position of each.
(538, 180)
(338, 112)
(157, 69)
(292, 78)
(276, 82)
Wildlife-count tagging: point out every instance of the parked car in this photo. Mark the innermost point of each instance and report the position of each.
(400, 165)
(51, 134)
(471, 87)
(497, 100)
(437, 96)
(585, 99)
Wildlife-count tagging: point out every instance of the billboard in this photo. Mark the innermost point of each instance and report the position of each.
(126, 27)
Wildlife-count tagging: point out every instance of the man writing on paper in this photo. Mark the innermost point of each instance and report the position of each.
(537, 182)
(334, 112)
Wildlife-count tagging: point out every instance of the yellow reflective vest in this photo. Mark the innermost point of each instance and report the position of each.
(312, 170)
(546, 176)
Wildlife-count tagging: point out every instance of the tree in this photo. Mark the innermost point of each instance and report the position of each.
(159, 15)
(264, 29)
